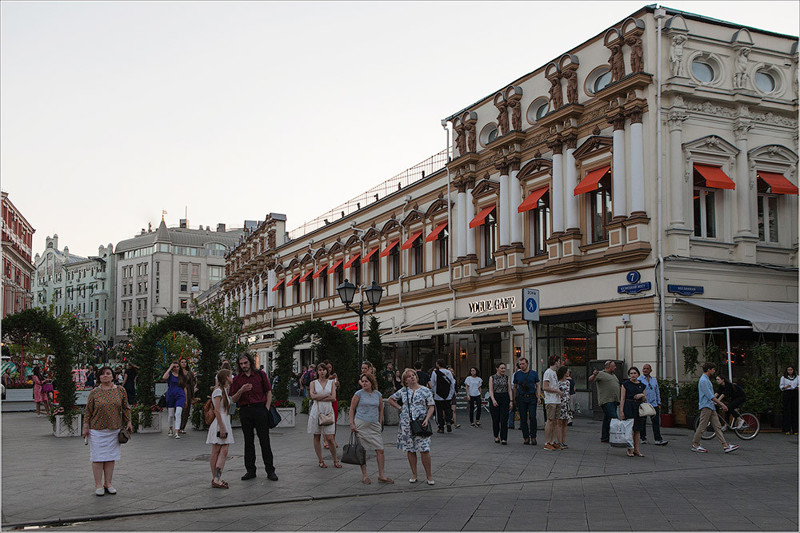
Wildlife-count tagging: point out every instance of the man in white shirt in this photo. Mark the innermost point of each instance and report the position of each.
(552, 403)
(443, 385)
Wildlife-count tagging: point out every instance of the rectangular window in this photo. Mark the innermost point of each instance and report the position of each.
(357, 273)
(768, 218)
(705, 224)
(184, 303)
(488, 238)
(323, 285)
(539, 220)
(184, 270)
(417, 266)
(215, 274)
(375, 268)
(394, 263)
(184, 286)
(600, 211)
(442, 253)
(195, 270)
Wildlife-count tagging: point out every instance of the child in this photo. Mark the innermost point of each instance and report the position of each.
(219, 433)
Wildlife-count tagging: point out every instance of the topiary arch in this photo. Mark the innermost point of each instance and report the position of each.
(207, 366)
(18, 326)
(340, 347)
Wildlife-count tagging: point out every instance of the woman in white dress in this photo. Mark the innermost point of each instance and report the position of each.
(323, 392)
(219, 433)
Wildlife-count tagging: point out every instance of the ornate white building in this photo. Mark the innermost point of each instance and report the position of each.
(644, 182)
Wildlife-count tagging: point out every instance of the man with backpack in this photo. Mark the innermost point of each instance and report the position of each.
(526, 393)
(444, 389)
(305, 380)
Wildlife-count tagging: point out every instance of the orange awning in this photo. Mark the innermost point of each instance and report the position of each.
(532, 200)
(479, 220)
(388, 249)
(715, 177)
(410, 241)
(278, 285)
(319, 272)
(305, 276)
(291, 281)
(352, 260)
(435, 233)
(592, 180)
(369, 254)
(333, 268)
(778, 182)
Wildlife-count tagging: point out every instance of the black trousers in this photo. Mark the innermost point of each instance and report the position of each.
(444, 411)
(790, 411)
(255, 419)
(656, 420)
(475, 407)
(500, 415)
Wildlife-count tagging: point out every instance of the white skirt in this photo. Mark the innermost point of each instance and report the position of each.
(104, 445)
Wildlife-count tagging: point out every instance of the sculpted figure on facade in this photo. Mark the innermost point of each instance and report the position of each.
(461, 140)
(502, 119)
(676, 54)
(516, 114)
(637, 54)
(572, 86)
(471, 145)
(556, 99)
(740, 73)
(272, 240)
(617, 63)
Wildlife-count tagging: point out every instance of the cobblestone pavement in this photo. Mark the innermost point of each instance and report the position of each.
(164, 484)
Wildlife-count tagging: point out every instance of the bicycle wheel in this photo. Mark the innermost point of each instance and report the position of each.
(750, 428)
(708, 432)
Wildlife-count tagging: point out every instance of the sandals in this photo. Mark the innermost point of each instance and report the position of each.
(638, 454)
(366, 481)
(337, 464)
(388, 480)
(322, 464)
(630, 453)
(220, 485)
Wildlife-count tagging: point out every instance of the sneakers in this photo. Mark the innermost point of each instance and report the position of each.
(169, 433)
(730, 448)
(449, 428)
(740, 425)
(643, 441)
(472, 424)
(177, 436)
(111, 490)
(550, 448)
(562, 445)
(700, 449)
(661, 442)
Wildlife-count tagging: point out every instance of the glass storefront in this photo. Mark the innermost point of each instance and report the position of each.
(573, 336)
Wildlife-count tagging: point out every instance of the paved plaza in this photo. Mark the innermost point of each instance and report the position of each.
(164, 484)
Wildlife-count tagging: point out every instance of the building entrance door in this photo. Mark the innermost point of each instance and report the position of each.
(490, 351)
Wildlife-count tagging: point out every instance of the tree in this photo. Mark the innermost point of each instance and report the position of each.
(227, 323)
(81, 342)
(373, 353)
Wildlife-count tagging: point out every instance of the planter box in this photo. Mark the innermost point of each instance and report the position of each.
(61, 429)
(391, 416)
(667, 420)
(154, 428)
(344, 417)
(287, 417)
(679, 411)
(19, 395)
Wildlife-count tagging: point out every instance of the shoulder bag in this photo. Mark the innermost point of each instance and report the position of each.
(274, 417)
(326, 419)
(417, 429)
(354, 453)
(645, 409)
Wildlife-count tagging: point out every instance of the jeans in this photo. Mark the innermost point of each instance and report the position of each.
(500, 415)
(444, 411)
(656, 420)
(527, 413)
(256, 417)
(474, 409)
(512, 415)
(609, 412)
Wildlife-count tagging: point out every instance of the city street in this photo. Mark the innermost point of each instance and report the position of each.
(164, 483)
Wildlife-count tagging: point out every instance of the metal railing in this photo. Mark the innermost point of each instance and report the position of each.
(425, 168)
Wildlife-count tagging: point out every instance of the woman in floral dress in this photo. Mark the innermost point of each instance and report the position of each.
(417, 403)
(563, 385)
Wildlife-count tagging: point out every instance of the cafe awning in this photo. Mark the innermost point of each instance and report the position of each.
(766, 317)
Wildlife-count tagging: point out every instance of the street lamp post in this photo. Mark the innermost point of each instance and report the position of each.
(346, 292)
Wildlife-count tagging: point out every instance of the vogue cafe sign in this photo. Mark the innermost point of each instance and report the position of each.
(497, 304)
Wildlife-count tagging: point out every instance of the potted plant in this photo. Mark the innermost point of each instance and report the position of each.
(66, 423)
(685, 405)
(287, 411)
(146, 419)
(666, 388)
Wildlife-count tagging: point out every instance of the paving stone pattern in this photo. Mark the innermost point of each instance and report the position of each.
(164, 484)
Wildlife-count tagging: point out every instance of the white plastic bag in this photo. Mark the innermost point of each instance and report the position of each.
(621, 433)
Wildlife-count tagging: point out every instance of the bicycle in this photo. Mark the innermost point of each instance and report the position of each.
(749, 430)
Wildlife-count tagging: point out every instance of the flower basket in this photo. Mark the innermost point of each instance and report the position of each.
(66, 424)
(146, 419)
(287, 410)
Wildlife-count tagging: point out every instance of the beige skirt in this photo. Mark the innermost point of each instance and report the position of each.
(369, 434)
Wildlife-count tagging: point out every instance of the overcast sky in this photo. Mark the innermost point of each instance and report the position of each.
(113, 111)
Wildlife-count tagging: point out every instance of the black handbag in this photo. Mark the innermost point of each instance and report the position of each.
(417, 429)
(124, 436)
(162, 401)
(274, 417)
(354, 453)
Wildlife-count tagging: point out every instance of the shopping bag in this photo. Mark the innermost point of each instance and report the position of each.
(621, 433)
(354, 453)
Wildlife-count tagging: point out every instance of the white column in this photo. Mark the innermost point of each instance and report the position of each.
(227, 301)
(743, 193)
(571, 183)
(515, 198)
(461, 222)
(503, 210)
(248, 299)
(676, 163)
(557, 190)
(637, 163)
(260, 294)
(240, 299)
(271, 280)
(620, 203)
(469, 214)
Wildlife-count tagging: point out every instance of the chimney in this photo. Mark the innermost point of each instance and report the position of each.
(183, 223)
(221, 227)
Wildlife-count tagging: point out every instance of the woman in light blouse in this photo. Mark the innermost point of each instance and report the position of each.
(417, 402)
(789, 388)
(107, 412)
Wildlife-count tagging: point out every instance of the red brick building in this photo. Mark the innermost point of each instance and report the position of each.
(17, 264)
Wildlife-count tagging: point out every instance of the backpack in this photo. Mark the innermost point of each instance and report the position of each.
(208, 411)
(306, 379)
(442, 384)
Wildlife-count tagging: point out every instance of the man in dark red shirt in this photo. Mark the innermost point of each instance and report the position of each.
(252, 392)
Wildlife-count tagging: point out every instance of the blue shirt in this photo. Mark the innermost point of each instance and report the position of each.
(369, 404)
(651, 390)
(706, 391)
(526, 382)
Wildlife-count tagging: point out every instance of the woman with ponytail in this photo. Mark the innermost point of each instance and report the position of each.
(219, 433)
